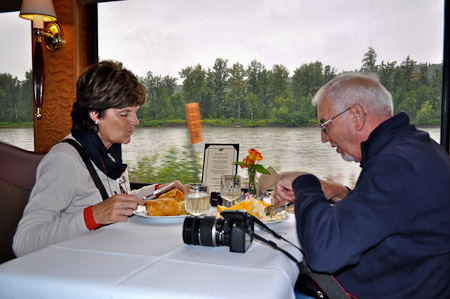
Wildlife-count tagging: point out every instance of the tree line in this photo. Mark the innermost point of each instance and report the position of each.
(16, 98)
(254, 93)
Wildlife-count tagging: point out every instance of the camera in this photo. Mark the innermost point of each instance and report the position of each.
(235, 230)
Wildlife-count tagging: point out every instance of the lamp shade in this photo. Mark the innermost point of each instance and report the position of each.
(38, 9)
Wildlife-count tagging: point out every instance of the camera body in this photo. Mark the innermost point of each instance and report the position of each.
(240, 226)
(235, 230)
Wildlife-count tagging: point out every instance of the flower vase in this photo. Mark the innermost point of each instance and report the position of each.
(251, 181)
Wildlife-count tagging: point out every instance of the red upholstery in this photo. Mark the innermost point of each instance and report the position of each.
(18, 166)
(17, 177)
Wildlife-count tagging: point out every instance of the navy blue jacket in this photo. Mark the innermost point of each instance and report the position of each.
(390, 237)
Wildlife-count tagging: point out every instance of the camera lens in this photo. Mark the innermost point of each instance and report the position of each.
(203, 230)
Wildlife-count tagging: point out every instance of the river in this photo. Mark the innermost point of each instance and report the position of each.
(285, 149)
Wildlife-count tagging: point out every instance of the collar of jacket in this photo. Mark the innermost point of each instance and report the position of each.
(382, 135)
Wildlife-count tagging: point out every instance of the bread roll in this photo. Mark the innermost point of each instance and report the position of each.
(174, 193)
(163, 207)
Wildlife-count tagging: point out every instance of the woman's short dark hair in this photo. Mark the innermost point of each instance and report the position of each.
(102, 86)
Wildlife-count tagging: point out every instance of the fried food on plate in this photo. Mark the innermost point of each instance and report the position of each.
(170, 203)
(163, 207)
(174, 193)
(254, 207)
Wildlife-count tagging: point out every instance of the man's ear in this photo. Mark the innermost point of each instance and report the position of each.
(358, 116)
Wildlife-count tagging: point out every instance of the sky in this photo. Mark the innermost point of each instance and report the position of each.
(166, 36)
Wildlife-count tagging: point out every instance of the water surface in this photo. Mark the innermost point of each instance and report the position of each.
(285, 149)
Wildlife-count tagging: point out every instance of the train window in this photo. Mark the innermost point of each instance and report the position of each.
(254, 65)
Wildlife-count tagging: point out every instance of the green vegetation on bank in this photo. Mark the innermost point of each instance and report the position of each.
(251, 96)
(231, 122)
(174, 164)
(9, 124)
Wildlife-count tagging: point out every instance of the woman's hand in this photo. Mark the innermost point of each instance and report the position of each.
(177, 184)
(116, 208)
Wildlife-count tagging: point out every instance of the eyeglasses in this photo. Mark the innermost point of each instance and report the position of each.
(324, 124)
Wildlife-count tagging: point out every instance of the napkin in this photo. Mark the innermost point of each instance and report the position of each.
(141, 209)
(266, 181)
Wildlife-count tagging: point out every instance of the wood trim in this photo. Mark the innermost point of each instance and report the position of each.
(62, 69)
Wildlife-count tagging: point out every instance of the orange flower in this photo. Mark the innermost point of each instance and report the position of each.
(253, 156)
(250, 162)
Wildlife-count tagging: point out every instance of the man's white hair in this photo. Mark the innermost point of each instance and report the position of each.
(356, 88)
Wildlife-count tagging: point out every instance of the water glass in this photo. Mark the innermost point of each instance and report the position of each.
(230, 189)
(196, 199)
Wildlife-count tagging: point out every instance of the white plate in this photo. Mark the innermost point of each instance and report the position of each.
(284, 216)
(160, 219)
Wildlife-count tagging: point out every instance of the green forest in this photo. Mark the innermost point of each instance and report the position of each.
(254, 95)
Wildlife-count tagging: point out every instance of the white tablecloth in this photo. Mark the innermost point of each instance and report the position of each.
(140, 259)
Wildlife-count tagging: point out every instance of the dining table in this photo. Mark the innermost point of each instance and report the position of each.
(145, 257)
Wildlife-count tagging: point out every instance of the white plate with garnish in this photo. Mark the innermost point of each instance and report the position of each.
(161, 219)
(142, 212)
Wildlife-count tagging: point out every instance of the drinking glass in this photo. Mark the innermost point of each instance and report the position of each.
(230, 189)
(196, 199)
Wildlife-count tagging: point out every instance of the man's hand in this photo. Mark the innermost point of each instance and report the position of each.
(283, 188)
(333, 191)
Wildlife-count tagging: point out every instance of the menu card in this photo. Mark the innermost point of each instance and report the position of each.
(218, 160)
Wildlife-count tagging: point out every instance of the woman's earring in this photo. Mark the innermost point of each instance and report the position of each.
(96, 122)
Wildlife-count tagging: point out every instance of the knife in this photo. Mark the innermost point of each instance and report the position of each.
(278, 207)
(155, 193)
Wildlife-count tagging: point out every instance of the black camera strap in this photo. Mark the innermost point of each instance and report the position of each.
(89, 166)
(274, 233)
(325, 285)
(275, 246)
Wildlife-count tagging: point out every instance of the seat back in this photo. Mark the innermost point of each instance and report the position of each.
(17, 177)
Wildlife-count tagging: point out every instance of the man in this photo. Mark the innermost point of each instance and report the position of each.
(390, 236)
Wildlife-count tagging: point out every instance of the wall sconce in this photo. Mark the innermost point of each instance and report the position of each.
(40, 11)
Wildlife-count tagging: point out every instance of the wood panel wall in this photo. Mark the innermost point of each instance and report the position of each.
(62, 69)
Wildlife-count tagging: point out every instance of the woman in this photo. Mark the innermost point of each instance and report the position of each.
(65, 201)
